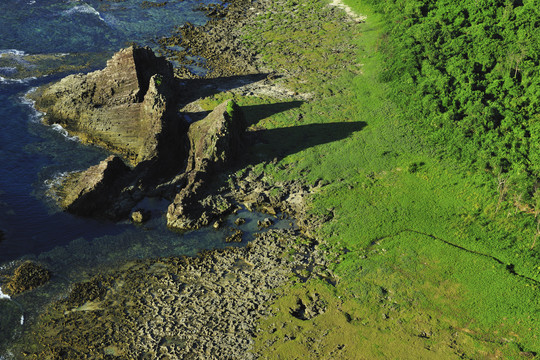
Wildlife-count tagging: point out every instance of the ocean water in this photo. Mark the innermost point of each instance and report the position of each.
(42, 41)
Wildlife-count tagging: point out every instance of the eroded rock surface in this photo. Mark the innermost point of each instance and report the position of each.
(215, 142)
(128, 107)
(205, 307)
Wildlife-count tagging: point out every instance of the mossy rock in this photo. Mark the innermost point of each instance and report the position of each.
(86, 291)
(29, 275)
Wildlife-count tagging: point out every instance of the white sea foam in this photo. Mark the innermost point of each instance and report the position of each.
(57, 179)
(83, 9)
(61, 130)
(110, 20)
(11, 52)
(8, 69)
(36, 115)
(4, 296)
(4, 80)
(7, 356)
(7, 265)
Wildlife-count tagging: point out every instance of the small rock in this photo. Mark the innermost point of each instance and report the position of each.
(240, 221)
(235, 237)
(249, 206)
(267, 222)
(269, 210)
(140, 216)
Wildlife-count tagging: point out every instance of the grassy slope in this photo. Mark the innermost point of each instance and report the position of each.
(421, 245)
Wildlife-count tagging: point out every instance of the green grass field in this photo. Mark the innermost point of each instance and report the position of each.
(433, 261)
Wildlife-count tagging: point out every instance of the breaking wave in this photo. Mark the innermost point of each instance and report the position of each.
(83, 9)
(61, 130)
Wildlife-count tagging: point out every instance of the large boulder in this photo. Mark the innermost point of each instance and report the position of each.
(215, 142)
(96, 190)
(129, 107)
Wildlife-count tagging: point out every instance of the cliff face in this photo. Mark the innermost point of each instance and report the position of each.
(128, 107)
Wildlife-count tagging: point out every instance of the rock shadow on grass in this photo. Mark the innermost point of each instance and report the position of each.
(275, 144)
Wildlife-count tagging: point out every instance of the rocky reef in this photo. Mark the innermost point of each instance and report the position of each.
(204, 307)
(131, 109)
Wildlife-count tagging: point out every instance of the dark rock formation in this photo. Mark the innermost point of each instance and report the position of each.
(27, 276)
(215, 142)
(128, 107)
(85, 291)
(240, 221)
(267, 222)
(95, 190)
(312, 308)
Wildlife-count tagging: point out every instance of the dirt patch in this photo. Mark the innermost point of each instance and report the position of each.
(352, 15)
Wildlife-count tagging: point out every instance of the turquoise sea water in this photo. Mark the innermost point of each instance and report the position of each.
(42, 41)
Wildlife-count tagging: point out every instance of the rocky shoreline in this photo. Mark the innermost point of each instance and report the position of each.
(205, 307)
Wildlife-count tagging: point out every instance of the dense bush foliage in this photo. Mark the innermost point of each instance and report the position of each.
(468, 72)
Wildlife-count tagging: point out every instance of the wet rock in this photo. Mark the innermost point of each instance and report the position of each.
(140, 216)
(179, 308)
(128, 107)
(257, 192)
(84, 292)
(218, 41)
(29, 275)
